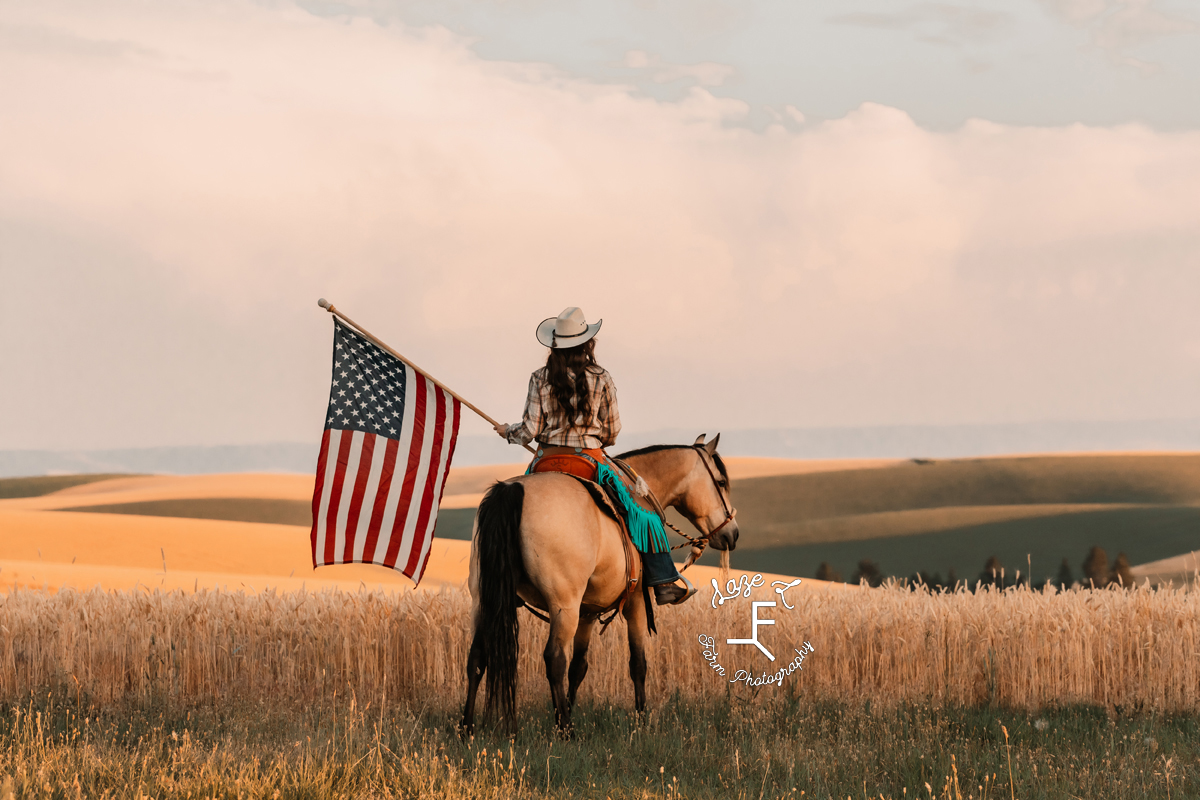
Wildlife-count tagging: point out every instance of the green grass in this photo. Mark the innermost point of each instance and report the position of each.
(12, 488)
(233, 509)
(775, 746)
(903, 517)
(1140, 479)
(1143, 534)
(453, 523)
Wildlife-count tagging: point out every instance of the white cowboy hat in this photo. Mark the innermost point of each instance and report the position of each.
(568, 329)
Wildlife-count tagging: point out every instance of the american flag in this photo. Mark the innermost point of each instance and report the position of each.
(389, 437)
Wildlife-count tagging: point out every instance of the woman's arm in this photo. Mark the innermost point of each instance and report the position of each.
(530, 427)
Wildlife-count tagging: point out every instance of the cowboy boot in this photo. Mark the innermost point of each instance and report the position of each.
(672, 593)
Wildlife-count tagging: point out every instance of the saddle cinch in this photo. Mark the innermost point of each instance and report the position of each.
(622, 495)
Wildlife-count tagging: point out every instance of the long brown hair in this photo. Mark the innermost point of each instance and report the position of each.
(566, 370)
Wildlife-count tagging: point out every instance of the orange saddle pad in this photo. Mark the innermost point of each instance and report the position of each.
(579, 466)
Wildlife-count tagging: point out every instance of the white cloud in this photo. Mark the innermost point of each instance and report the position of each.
(935, 23)
(1116, 26)
(857, 270)
(1077, 11)
(705, 73)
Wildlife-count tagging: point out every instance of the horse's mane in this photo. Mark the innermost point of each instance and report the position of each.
(654, 448)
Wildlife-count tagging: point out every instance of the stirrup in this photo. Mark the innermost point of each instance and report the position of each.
(691, 590)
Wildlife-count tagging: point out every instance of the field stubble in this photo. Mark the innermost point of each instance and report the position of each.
(1017, 649)
(316, 695)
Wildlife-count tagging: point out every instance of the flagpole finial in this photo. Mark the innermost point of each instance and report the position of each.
(323, 303)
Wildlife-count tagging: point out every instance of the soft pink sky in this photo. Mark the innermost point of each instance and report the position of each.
(179, 184)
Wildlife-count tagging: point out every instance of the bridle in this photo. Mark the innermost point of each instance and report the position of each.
(698, 543)
(730, 513)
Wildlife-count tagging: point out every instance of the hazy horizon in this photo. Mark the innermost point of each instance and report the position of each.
(901, 442)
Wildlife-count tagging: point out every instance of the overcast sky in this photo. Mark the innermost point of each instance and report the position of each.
(787, 213)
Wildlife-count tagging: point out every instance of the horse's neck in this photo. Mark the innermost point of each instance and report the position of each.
(665, 472)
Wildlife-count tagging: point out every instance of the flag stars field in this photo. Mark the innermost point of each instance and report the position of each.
(377, 495)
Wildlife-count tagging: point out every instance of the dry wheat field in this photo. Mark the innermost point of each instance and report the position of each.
(1016, 649)
(958, 695)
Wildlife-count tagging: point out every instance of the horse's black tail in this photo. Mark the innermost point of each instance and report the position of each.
(500, 567)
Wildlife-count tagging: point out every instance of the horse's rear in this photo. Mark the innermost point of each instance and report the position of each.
(542, 538)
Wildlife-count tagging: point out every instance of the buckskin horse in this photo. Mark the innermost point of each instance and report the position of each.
(544, 540)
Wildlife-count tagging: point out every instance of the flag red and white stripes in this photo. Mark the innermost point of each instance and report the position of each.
(389, 438)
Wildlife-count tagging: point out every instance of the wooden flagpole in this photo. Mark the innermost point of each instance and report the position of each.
(328, 306)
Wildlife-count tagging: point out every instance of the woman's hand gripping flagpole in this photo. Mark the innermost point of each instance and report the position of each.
(328, 306)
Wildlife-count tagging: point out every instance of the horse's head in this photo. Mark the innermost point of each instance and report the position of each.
(705, 498)
(693, 481)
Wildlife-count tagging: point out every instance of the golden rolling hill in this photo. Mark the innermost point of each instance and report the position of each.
(252, 530)
(241, 531)
(952, 514)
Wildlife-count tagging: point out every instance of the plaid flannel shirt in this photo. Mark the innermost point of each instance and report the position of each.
(547, 423)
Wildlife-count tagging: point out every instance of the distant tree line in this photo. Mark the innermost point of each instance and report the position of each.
(1097, 572)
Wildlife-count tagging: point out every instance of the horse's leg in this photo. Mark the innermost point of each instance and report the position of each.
(639, 636)
(562, 632)
(579, 664)
(476, 666)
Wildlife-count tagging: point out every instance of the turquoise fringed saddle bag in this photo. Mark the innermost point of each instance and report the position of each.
(645, 526)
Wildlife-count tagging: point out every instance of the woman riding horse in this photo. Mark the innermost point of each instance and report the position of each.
(551, 540)
(571, 411)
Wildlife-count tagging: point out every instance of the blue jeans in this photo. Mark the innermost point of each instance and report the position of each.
(658, 568)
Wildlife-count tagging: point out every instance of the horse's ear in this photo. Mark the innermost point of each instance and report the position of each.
(711, 447)
(699, 440)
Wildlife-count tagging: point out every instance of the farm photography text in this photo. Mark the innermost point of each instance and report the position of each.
(742, 588)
